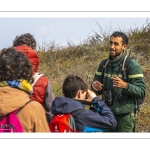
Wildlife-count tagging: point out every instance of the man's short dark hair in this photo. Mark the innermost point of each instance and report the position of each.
(14, 65)
(72, 84)
(25, 39)
(122, 35)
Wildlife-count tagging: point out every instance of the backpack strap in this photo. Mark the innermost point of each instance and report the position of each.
(125, 66)
(77, 112)
(84, 102)
(125, 78)
(90, 104)
(18, 110)
(104, 68)
(36, 76)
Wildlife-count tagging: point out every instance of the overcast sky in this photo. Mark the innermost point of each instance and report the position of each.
(61, 30)
(67, 21)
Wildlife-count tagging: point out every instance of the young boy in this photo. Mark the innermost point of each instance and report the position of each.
(76, 91)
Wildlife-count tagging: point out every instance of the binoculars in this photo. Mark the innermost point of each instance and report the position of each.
(107, 97)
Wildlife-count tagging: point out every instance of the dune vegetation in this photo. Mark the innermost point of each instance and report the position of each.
(57, 62)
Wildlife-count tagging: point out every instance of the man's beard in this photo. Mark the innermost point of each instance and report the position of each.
(116, 55)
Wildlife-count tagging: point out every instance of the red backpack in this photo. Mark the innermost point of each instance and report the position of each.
(64, 122)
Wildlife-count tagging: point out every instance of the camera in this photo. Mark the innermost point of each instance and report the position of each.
(107, 97)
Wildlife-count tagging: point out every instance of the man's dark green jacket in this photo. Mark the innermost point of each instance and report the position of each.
(123, 99)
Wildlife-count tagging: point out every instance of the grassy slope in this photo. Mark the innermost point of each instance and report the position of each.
(84, 59)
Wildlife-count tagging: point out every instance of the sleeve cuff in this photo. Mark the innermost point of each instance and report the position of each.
(126, 88)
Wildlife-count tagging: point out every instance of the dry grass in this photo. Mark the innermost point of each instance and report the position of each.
(84, 59)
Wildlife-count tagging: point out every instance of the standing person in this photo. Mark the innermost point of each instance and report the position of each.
(75, 91)
(42, 90)
(15, 89)
(123, 93)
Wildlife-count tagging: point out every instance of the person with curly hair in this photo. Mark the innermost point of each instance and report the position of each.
(15, 90)
(25, 39)
(42, 89)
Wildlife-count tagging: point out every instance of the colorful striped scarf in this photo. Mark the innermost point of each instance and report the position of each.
(22, 85)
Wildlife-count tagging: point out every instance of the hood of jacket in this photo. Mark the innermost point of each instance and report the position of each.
(65, 105)
(11, 99)
(30, 54)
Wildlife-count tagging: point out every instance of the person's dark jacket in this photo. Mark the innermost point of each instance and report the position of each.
(86, 121)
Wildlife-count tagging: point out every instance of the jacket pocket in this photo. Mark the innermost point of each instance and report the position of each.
(123, 106)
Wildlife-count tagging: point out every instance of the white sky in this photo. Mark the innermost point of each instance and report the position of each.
(65, 21)
(62, 29)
